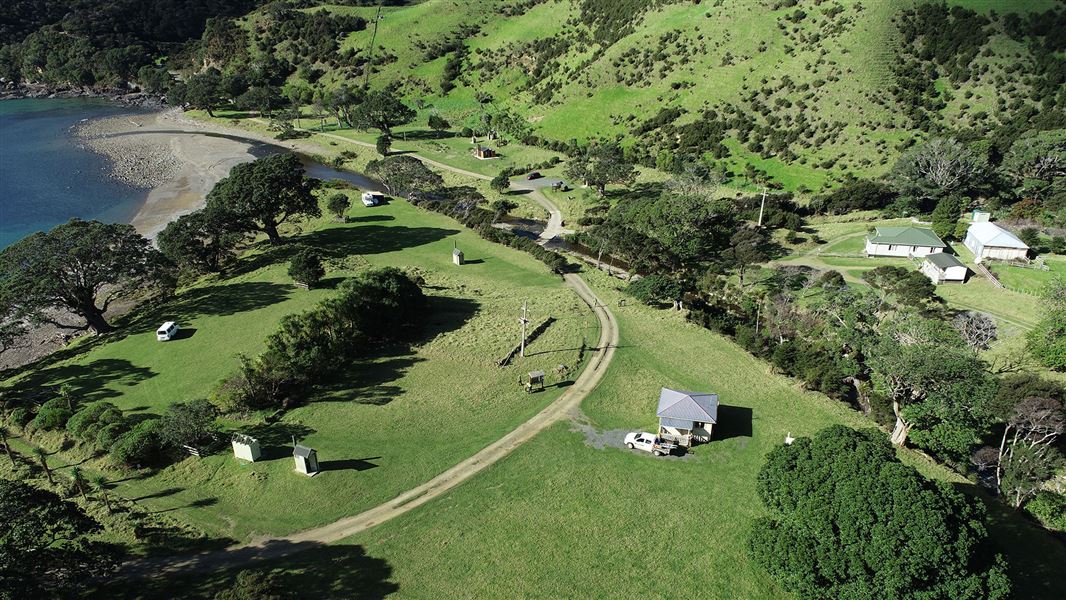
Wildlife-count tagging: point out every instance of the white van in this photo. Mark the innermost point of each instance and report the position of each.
(371, 199)
(167, 331)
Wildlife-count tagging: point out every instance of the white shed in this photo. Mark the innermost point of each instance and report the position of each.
(246, 447)
(306, 460)
(988, 240)
(944, 268)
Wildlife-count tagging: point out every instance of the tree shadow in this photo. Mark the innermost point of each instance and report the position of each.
(201, 503)
(224, 300)
(372, 239)
(88, 382)
(733, 421)
(349, 464)
(305, 569)
(370, 219)
(170, 491)
(366, 382)
(275, 439)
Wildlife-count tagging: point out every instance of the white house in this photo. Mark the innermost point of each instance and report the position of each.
(903, 241)
(988, 240)
(944, 268)
(686, 417)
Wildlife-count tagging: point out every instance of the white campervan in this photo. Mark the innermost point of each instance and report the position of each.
(167, 331)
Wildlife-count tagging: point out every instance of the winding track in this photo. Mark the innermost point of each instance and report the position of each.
(562, 408)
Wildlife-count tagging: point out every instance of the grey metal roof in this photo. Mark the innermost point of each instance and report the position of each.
(944, 260)
(990, 234)
(690, 406)
(302, 451)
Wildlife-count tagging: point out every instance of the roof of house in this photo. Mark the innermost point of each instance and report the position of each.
(302, 451)
(944, 260)
(990, 234)
(907, 236)
(688, 406)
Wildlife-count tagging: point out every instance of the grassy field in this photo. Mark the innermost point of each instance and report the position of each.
(566, 517)
(388, 424)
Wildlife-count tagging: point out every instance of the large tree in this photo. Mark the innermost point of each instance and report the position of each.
(848, 520)
(262, 195)
(200, 241)
(937, 168)
(600, 165)
(1036, 164)
(81, 267)
(382, 111)
(404, 175)
(1026, 455)
(1047, 341)
(44, 552)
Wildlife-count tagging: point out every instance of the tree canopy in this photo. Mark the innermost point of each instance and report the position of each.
(381, 110)
(262, 195)
(600, 165)
(82, 267)
(404, 175)
(848, 520)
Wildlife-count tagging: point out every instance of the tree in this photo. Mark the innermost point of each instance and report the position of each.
(502, 207)
(656, 288)
(139, 446)
(1047, 341)
(501, 183)
(382, 111)
(946, 216)
(12, 327)
(200, 241)
(1036, 163)
(382, 144)
(977, 329)
(45, 552)
(263, 99)
(438, 123)
(4, 433)
(848, 520)
(188, 424)
(79, 481)
(100, 483)
(306, 268)
(252, 585)
(937, 168)
(908, 288)
(338, 204)
(343, 102)
(82, 267)
(747, 247)
(600, 165)
(1026, 455)
(42, 457)
(937, 387)
(264, 194)
(404, 174)
(203, 90)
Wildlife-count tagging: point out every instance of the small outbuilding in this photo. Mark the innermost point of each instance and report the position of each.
(944, 268)
(246, 447)
(535, 381)
(306, 460)
(457, 257)
(988, 240)
(980, 216)
(904, 241)
(686, 418)
(484, 152)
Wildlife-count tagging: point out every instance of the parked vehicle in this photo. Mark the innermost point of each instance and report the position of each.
(642, 440)
(372, 199)
(167, 331)
(534, 175)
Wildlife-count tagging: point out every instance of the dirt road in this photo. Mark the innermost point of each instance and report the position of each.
(265, 549)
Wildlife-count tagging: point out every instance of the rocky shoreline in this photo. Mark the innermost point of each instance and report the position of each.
(142, 162)
(10, 91)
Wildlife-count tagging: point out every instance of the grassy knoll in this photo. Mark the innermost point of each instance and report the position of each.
(388, 424)
(560, 514)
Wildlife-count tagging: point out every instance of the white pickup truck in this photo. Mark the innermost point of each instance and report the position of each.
(642, 440)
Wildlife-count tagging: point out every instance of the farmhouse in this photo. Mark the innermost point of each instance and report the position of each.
(988, 240)
(903, 241)
(944, 268)
(686, 417)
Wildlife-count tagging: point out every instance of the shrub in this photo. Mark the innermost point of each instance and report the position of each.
(21, 416)
(87, 422)
(51, 417)
(337, 204)
(1050, 509)
(140, 446)
(306, 268)
(109, 435)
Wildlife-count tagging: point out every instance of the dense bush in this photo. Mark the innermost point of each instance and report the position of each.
(860, 194)
(21, 416)
(1050, 509)
(140, 446)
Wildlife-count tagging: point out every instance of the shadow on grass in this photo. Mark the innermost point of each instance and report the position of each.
(201, 503)
(88, 382)
(733, 421)
(370, 219)
(302, 569)
(160, 494)
(349, 464)
(372, 239)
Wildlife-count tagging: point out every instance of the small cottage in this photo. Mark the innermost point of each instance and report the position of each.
(246, 447)
(484, 152)
(306, 460)
(944, 268)
(686, 417)
(904, 241)
(988, 240)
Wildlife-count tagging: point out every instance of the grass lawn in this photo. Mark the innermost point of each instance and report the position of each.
(1030, 280)
(388, 424)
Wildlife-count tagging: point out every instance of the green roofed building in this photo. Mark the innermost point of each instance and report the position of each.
(944, 268)
(904, 241)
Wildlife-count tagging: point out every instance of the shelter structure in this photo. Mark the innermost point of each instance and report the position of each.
(686, 418)
(944, 268)
(246, 447)
(990, 241)
(535, 381)
(904, 241)
(484, 152)
(457, 256)
(306, 460)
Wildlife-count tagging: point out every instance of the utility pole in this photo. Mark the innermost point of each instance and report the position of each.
(370, 58)
(763, 205)
(524, 320)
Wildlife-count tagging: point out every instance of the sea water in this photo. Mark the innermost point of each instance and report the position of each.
(47, 177)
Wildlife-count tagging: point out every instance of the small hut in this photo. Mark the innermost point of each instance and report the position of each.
(306, 460)
(457, 256)
(246, 447)
(484, 152)
(535, 381)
